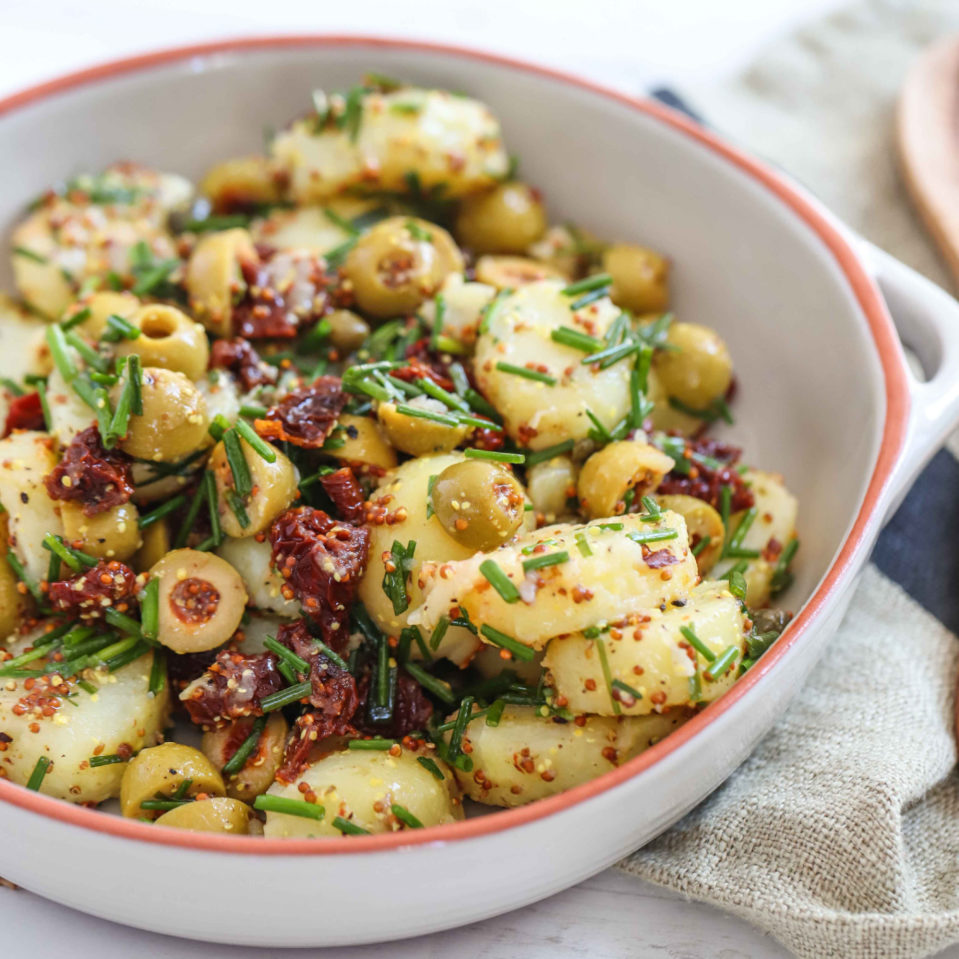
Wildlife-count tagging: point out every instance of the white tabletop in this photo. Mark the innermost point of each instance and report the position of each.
(625, 43)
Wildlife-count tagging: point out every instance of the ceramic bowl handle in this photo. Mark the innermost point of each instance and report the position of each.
(927, 319)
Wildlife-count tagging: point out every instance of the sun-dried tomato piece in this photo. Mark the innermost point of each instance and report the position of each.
(705, 482)
(484, 438)
(284, 291)
(424, 362)
(239, 357)
(322, 561)
(344, 489)
(88, 595)
(25, 413)
(659, 558)
(411, 708)
(306, 416)
(100, 479)
(233, 686)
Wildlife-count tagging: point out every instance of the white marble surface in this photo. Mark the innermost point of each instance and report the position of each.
(626, 43)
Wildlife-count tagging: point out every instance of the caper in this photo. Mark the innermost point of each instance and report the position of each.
(399, 263)
(479, 503)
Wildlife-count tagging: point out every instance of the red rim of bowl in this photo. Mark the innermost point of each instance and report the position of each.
(897, 410)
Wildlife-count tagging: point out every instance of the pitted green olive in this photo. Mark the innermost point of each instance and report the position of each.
(704, 525)
(699, 369)
(506, 219)
(168, 339)
(479, 503)
(158, 772)
(640, 278)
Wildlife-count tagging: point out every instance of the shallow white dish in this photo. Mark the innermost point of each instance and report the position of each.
(825, 397)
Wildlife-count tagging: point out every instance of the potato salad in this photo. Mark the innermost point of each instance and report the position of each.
(348, 490)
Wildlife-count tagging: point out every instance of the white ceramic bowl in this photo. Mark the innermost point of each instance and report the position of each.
(825, 397)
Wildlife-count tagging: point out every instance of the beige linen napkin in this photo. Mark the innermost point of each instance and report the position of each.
(840, 835)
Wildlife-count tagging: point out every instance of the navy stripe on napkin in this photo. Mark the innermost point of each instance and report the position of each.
(919, 549)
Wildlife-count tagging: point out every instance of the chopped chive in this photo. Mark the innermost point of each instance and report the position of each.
(81, 316)
(494, 456)
(653, 511)
(697, 643)
(588, 284)
(782, 578)
(499, 581)
(582, 545)
(508, 643)
(154, 516)
(717, 410)
(467, 420)
(610, 356)
(333, 657)
(39, 771)
(30, 255)
(381, 745)
(450, 400)
(430, 483)
(349, 828)
(486, 314)
(541, 456)
(546, 559)
(285, 654)
(394, 580)
(252, 411)
(121, 328)
(237, 508)
(242, 481)
(427, 415)
(45, 405)
(567, 336)
(701, 545)
(479, 403)
(446, 344)
(259, 445)
(626, 688)
(150, 279)
(289, 807)
(11, 387)
(60, 352)
(463, 714)
(734, 543)
(164, 805)
(439, 631)
(431, 767)
(191, 514)
(607, 675)
(410, 389)
(213, 507)
(721, 663)
(588, 298)
(653, 536)
(495, 712)
(90, 356)
(737, 585)
(56, 546)
(218, 427)
(725, 504)
(210, 223)
(739, 567)
(157, 673)
(526, 373)
(108, 760)
(439, 303)
(405, 816)
(285, 696)
(24, 577)
(341, 221)
(599, 432)
(438, 687)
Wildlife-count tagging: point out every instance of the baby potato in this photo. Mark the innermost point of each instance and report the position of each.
(216, 814)
(537, 413)
(12, 603)
(432, 135)
(201, 600)
(259, 770)
(640, 278)
(650, 654)
(23, 346)
(512, 272)
(25, 460)
(362, 787)
(506, 219)
(121, 717)
(402, 497)
(528, 757)
(606, 573)
(609, 474)
(698, 370)
(168, 339)
(69, 415)
(160, 771)
(274, 489)
(704, 524)
(112, 534)
(242, 183)
(479, 503)
(463, 303)
(252, 560)
(214, 277)
(399, 263)
(417, 435)
(770, 531)
(364, 445)
(221, 393)
(174, 420)
(318, 229)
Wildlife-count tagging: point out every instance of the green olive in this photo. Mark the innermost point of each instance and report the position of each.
(420, 436)
(216, 814)
(260, 768)
(347, 330)
(703, 523)
(699, 369)
(364, 446)
(160, 771)
(168, 339)
(512, 272)
(214, 277)
(174, 419)
(201, 600)
(479, 503)
(241, 183)
(155, 544)
(609, 474)
(399, 263)
(506, 219)
(640, 278)
(112, 534)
